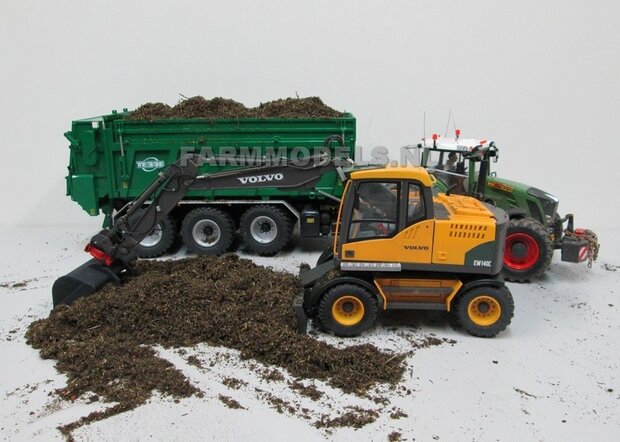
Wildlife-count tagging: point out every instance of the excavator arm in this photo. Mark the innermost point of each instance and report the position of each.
(113, 249)
(132, 225)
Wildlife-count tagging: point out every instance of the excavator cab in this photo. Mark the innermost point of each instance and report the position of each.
(377, 208)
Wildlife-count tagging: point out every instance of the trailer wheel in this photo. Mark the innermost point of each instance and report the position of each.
(348, 310)
(266, 229)
(528, 251)
(208, 231)
(160, 239)
(484, 311)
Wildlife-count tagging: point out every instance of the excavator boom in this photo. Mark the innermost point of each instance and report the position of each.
(113, 249)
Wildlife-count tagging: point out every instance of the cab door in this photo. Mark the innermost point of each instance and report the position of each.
(416, 238)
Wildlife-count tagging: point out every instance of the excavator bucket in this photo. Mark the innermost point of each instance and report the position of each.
(86, 280)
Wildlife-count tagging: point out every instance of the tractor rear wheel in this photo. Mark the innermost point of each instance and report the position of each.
(208, 231)
(528, 252)
(484, 311)
(348, 310)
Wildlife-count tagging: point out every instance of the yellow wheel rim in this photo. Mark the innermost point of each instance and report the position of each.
(484, 310)
(348, 310)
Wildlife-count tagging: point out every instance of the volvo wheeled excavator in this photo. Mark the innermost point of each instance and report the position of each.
(396, 246)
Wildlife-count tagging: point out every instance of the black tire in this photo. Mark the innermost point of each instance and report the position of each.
(484, 311)
(348, 310)
(327, 255)
(528, 252)
(159, 241)
(266, 229)
(208, 231)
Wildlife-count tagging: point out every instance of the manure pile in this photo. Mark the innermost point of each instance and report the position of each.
(103, 342)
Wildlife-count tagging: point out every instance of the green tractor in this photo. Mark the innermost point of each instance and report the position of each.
(462, 166)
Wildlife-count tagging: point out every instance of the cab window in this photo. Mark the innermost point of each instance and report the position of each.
(445, 165)
(415, 204)
(375, 210)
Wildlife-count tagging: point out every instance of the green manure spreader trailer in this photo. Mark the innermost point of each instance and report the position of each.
(113, 159)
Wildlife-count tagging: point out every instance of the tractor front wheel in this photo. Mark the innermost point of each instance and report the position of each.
(528, 251)
(484, 311)
(348, 310)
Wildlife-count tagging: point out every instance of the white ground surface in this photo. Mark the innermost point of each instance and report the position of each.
(540, 78)
(553, 375)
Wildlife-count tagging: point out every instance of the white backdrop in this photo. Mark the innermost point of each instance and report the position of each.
(540, 78)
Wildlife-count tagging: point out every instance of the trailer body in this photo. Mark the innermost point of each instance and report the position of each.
(114, 158)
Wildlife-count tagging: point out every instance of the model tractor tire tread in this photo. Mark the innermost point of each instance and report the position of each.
(529, 250)
(484, 311)
(159, 242)
(208, 231)
(266, 229)
(348, 310)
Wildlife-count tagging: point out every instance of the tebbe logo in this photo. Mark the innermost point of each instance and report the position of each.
(261, 178)
(150, 164)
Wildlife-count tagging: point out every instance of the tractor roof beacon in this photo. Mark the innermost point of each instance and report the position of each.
(536, 229)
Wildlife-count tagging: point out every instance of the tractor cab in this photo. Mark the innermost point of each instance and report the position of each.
(459, 164)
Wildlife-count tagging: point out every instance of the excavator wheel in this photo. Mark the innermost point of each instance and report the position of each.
(159, 241)
(348, 310)
(208, 231)
(484, 311)
(266, 229)
(528, 252)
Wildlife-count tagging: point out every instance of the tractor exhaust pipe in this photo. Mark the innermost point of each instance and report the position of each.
(86, 280)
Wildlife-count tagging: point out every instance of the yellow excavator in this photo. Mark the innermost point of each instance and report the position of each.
(396, 246)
